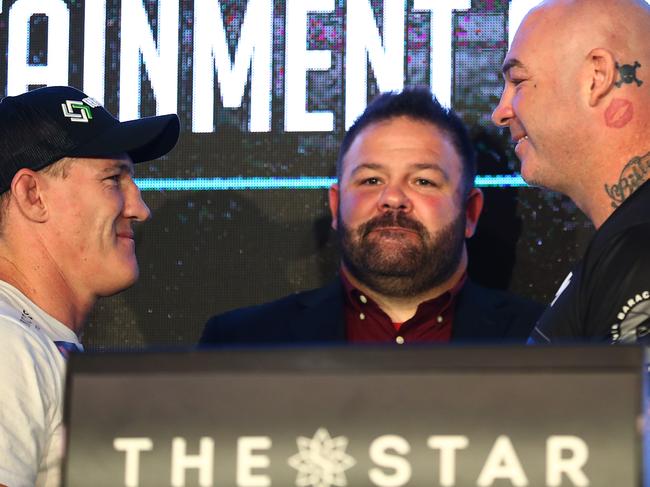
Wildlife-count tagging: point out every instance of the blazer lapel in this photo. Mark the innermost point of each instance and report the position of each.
(477, 316)
(320, 316)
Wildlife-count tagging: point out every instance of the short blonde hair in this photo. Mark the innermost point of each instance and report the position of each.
(59, 168)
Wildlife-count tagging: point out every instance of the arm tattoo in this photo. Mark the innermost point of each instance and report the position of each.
(628, 74)
(633, 175)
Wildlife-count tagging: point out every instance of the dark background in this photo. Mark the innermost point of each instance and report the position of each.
(205, 252)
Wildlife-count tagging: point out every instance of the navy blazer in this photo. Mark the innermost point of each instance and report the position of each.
(316, 316)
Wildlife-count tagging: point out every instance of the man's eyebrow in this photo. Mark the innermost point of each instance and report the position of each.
(121, 166)
(423, 166)
(417, 166)
(366, 165)
(511, 63)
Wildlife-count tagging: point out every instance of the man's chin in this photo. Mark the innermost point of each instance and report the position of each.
(120, 281)
(391, 241)
(534, 169)
(392, 264)
(534, 176)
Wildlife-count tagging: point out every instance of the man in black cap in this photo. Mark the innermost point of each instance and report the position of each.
(67, 206)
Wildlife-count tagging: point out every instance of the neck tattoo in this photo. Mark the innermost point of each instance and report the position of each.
(633, 175)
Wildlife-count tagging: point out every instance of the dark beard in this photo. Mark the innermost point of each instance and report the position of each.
(395, 265)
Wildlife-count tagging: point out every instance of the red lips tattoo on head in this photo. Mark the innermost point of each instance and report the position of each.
(619, 113)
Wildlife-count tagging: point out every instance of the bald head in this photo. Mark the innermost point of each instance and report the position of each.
(619, 25)
(577, 88)
(603, 44)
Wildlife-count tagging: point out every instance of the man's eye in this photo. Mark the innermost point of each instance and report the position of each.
(370, 181)
(115, 178)
(424, 182)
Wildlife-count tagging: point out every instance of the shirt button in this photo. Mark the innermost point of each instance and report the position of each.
(363, 299)
(362, 316)
(399, 340)
(439, 319)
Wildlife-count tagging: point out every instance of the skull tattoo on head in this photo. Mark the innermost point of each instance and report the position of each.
(628, 74)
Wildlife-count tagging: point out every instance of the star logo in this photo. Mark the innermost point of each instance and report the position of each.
(321, 461)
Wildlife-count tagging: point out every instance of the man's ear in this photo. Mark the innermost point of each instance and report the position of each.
(602, 74)
(333, 195)
(473, 208)
(26, 191)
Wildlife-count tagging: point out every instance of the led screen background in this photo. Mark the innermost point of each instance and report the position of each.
(239, 208)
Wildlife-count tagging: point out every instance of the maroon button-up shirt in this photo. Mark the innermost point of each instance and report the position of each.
(365, 322)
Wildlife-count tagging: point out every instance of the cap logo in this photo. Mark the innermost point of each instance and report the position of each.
(77, 111)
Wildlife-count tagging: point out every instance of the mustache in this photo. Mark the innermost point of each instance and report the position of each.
(392, 219)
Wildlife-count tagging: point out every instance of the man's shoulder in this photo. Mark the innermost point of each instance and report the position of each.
(618, 255)
(22, 342)
(287, 304)
(14, 331)
(628, 226)
(484, 313)
(634, 238)
(499, 298)
(15, 321)
(611, 301)
(271, 321)
(31, 372)
(23, 330)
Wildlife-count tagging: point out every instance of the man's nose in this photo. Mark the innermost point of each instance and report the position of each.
(134, 205)
(394, 197)
(503, 113)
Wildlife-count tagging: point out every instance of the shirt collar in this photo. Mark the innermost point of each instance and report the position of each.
(353, 295)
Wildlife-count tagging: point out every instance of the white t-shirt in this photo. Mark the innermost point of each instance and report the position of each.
(32, 371)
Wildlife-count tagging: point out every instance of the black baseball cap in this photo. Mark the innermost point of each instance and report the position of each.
(42, 126)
